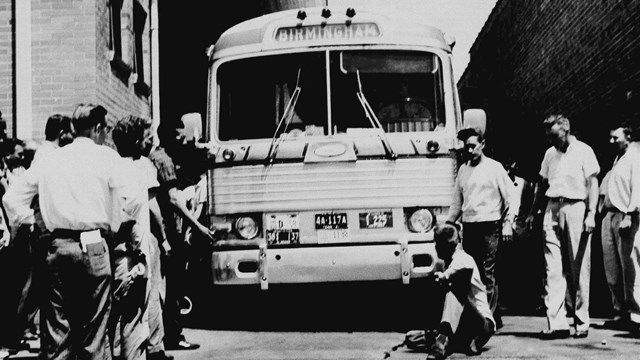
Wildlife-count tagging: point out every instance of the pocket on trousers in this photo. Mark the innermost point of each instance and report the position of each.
(98, 259)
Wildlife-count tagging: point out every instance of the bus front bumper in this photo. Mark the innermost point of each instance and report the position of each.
(336, 263)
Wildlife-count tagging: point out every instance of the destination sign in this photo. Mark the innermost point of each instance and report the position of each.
(327, 32)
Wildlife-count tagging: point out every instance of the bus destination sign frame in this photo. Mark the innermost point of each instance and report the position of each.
(327, 32)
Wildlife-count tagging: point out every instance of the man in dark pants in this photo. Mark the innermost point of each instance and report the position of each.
(172, 204)
(483, 193)
(82, 193)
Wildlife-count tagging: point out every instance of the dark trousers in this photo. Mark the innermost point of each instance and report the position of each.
(77, 301)
(480, 240)
(21, 263)
(175, 274)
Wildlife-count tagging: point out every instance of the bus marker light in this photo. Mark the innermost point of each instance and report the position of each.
(302, 14)
(228, 154)
(433, 146)
(351, 12)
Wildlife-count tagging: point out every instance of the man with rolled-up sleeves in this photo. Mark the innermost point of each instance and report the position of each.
(568, 174)
(82, 194)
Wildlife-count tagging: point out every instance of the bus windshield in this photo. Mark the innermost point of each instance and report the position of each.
(403, 88)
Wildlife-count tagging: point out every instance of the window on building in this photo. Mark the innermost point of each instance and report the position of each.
(129, 43)
(141, 46)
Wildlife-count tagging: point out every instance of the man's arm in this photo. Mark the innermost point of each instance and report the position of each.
(17, 200)
(592, 203)
(456, 204)
(538, 201)
(180, 207)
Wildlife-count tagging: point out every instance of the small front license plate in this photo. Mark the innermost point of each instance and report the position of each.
(331, 221)
(376, 220)
(283, 229)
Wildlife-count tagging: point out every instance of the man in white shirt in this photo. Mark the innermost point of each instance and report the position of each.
(58, 132)
(621, 190)
(466, 313)
(82, 195)
(568, 174)
(483, 194)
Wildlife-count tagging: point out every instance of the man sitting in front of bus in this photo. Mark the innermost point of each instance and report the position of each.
(466, 313)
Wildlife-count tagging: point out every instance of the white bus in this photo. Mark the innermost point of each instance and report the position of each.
(333, 136)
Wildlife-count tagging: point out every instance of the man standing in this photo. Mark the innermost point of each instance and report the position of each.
(568, 179)
(80, 192)
(172, 204)
(483, 193)
(621, 188)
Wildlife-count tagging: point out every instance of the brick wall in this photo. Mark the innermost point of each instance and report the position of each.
(534, 58)
(6, 62)
(63, 57)
(70, 64)
(115, 91)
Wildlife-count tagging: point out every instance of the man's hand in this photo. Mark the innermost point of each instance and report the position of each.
(529, 221)
(590, 222)
(625, 224)
(507, 231)
(4, 239)
(206, 233)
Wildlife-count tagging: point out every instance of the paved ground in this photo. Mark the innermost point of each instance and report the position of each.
(517, 340)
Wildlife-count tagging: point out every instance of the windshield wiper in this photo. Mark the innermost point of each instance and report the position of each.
(287, 115)
(373, 119)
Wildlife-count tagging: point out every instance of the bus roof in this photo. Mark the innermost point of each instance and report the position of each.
(293, 29)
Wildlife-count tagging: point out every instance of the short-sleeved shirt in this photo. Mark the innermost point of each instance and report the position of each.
(621, 186)
(477, 295)
(167, 176)
(568, 172)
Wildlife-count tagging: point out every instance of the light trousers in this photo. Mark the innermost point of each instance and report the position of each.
(567, 252)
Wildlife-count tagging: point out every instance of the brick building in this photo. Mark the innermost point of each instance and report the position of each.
(534, 58)
(55, 54)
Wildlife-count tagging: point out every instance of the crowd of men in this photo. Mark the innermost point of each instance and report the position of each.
(487, 200)
(91, 236)
(84, 230)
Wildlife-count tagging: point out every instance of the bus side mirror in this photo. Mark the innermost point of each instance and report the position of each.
(475, 118)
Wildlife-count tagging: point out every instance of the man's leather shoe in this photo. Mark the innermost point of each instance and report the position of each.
(554, 334)
(160, 355)
(580, 334)
(182, 345)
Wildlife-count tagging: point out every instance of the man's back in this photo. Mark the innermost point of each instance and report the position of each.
(76, 186)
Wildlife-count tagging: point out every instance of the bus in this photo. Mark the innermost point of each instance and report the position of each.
(332, 138)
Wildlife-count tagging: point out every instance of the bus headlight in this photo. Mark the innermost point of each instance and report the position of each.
(421, 221)
(247, 227)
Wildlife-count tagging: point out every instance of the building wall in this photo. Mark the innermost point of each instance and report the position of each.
(115, 89)
(539, 57)
(6, 62)
(534, 58)
(70, 44)
(63, 57)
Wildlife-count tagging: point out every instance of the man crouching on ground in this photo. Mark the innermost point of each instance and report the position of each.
(466, 311)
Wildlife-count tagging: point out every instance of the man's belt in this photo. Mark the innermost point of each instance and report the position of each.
(73, 234)
(561, 199)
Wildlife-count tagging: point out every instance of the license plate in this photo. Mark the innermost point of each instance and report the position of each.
(283, 229)
(333, 236)
(331, 221)
(376, 220)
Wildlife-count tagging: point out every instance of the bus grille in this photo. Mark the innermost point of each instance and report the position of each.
(341, 185)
